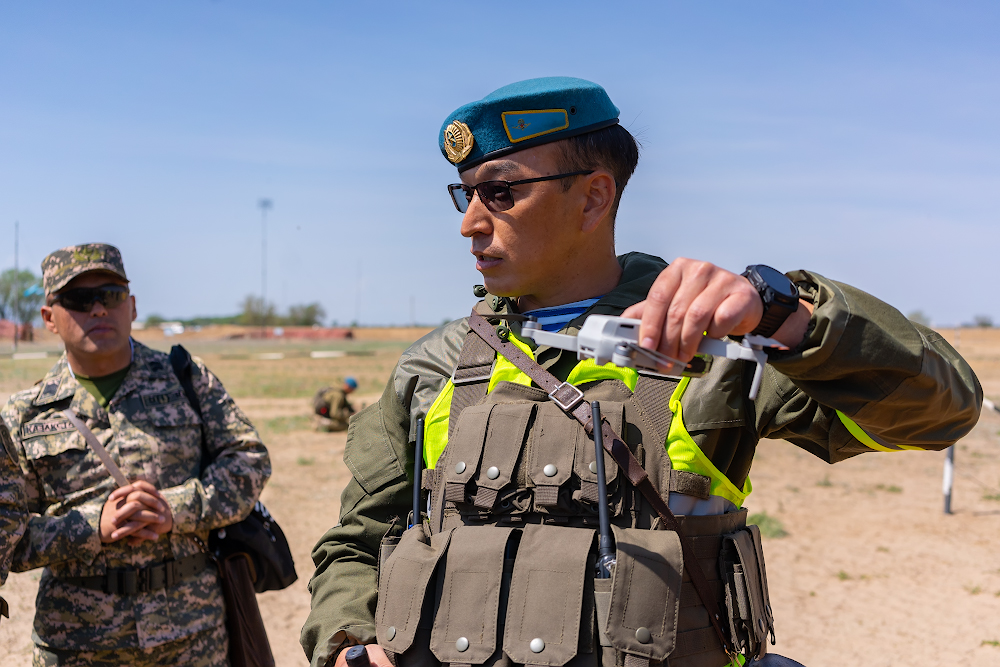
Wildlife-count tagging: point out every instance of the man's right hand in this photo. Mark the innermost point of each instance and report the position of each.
(134, 510)
(375, 655)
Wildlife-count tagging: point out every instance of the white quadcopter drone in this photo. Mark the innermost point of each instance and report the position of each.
(605, 338)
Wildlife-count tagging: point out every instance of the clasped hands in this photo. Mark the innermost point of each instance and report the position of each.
(137, 512)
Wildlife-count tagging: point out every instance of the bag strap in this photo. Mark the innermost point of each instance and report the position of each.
(180, 360)
(98, 448)
(570, 400)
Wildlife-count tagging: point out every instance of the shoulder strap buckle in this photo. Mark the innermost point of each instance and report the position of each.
(566, 396)
(471, 375)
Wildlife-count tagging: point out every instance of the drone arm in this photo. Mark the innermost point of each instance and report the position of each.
(721, 348)
(561, 341)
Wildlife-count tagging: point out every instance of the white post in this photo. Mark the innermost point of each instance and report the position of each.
(948, 480)
(949, 477)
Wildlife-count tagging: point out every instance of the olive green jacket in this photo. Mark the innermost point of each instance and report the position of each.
(902, 383)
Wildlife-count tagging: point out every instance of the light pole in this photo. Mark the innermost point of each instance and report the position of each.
(17, 284)
(265, 205)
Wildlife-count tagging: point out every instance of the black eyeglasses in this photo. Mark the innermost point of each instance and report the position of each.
(496, 195)
(82, 299)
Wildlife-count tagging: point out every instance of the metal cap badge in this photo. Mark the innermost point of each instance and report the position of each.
(458, 141)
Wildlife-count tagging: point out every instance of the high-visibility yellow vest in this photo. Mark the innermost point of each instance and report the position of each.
(683, 451)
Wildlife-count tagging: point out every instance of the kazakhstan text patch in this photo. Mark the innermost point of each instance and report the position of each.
(37, 429)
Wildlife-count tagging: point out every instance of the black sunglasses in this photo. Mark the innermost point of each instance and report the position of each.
(496, 195)
(82, 299)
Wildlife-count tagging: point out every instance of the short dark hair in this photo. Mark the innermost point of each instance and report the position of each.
(612, 148)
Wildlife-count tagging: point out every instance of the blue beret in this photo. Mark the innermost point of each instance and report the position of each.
(522, 115)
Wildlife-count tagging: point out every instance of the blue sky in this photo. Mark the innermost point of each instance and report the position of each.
(856, 139)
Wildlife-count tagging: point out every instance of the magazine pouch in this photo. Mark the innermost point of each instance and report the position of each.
(385, 549)
(465, 624)
(466, 451)
(747, 603)
(404, 606)
(547, 592)
(645, 595)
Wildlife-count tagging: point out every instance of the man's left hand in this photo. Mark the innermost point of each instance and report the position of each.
(691, 298)
(162, 520)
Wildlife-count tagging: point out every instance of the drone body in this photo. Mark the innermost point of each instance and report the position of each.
(606, 338)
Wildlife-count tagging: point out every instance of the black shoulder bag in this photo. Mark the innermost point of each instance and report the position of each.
(258, 535)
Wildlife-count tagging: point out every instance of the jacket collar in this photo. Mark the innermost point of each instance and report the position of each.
(639, 271)
(60, 383)
(57, 385)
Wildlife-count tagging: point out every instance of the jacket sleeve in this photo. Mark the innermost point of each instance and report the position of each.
(344, 586)
(865, 379)
(13, 510)
(53, 534)
(239, 466)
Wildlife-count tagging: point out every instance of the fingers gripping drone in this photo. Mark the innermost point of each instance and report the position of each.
(606, 338)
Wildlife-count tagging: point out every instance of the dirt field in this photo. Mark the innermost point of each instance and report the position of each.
(869, 572)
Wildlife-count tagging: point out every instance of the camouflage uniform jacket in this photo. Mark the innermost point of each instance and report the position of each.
(901, 382)
(153, 433)
(13, 514)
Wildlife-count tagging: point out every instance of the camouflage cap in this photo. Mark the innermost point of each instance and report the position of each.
(64, 264)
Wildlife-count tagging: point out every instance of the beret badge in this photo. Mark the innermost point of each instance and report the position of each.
(458, 141)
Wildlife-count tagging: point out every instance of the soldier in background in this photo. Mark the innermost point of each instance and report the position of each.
(332, 408)
(126, 579)
(13, 515)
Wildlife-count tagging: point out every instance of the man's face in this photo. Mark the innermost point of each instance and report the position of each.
(102, 331)
(524, 251)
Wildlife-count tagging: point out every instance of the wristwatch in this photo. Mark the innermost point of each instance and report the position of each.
(778, 294)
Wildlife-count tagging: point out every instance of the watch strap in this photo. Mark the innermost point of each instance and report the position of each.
(771, 321)
(778, 306)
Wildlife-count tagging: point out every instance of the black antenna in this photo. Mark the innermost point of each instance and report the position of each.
(418, 467)
(605, 545)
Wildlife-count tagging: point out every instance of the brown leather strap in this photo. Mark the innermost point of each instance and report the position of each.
(570, 399)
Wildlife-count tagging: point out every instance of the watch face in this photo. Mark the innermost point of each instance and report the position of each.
(777, 281)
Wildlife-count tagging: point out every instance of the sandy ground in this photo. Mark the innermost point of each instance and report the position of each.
(871, 572)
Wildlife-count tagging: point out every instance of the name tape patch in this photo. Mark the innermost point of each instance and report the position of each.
(166, 398)
(38, 429)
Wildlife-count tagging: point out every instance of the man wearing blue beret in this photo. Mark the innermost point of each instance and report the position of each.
(499, 569)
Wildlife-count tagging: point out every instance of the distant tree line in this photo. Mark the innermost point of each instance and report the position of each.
(982, 321)
(299, 315)
(253, 314)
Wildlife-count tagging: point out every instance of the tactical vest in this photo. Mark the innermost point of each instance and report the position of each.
(501, 571)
